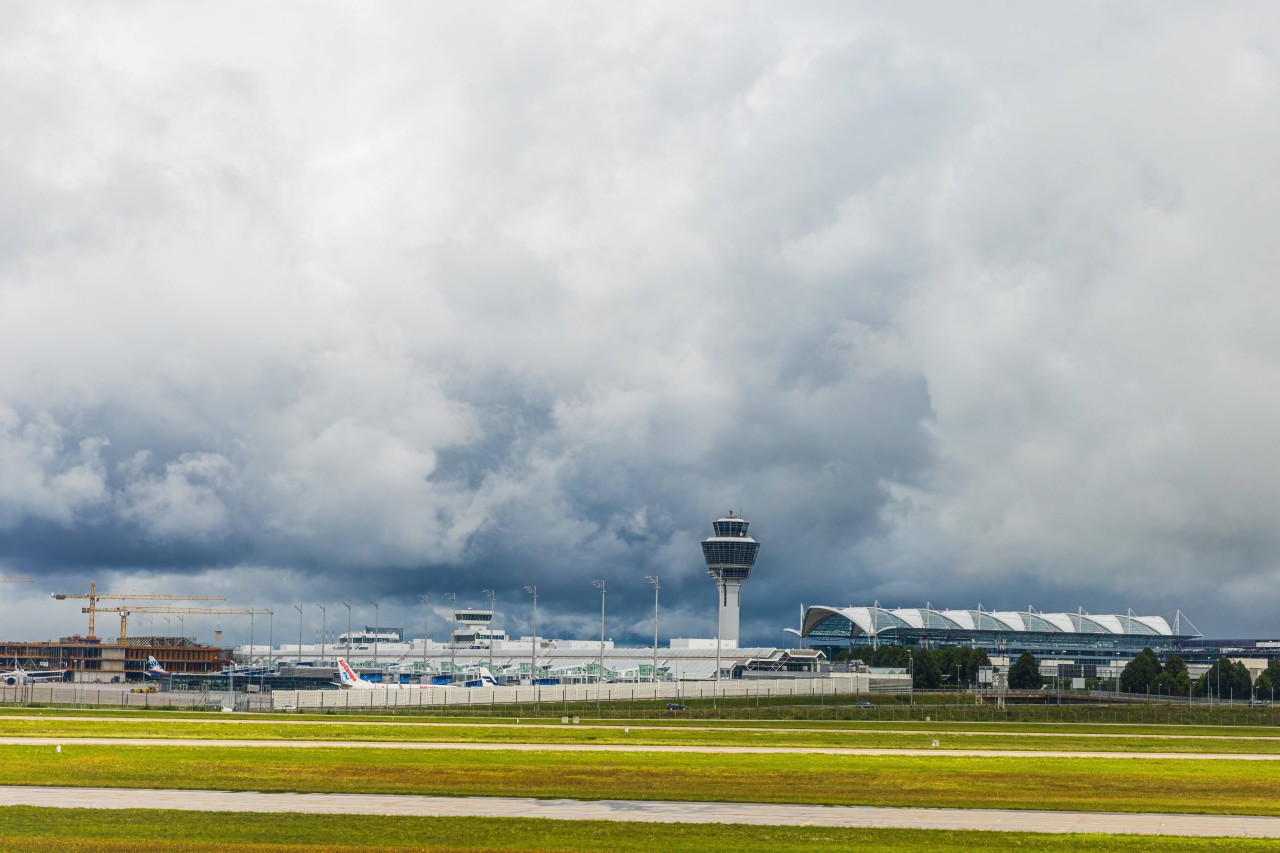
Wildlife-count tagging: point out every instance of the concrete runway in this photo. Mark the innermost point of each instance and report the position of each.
(68, 743)
(650, 811)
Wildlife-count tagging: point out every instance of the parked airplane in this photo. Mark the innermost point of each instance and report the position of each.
(349, 680)
(484, 679)
(22, 676)
(155, 670)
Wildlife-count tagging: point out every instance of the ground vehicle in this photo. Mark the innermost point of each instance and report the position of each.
(150, 688)
(676, 706)
(865, 704)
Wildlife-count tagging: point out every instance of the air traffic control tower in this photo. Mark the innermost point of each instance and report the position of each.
(730, 554)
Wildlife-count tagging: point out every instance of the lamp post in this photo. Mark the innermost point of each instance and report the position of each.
(453, 647)
(324, 615)
(911, 669)
(426, 618)
(298, 607)
(251, 651)
(489, 593)
(271, 639)
(653, 579)
(182, 626)
(347, 604)
(376, 629)
(599, 584)
(533, 646)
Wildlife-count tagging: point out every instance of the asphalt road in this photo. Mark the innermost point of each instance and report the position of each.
(651, 812)
(68, 743)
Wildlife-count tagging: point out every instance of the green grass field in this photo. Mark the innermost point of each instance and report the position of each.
(811, 709)
(901, 735)
(1190, 786)
(37, 829)
(936, 780)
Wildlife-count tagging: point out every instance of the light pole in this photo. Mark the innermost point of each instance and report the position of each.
(376, 629)
(489, 593)
(347, 604)
(533, 646)
(298, 607)
(251, 651)
(716, 689)
(600, 677)
(182, 626)
(653, 579)
(426, 617)
(453, 647)
(911, 668)
(324, 614)
(271, 639)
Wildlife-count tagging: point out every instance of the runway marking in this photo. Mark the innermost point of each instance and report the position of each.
(67, 742)
(999, 820)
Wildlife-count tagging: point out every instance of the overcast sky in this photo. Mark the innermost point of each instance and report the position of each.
(956, 303)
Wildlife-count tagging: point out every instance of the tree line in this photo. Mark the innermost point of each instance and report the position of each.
(931, 669)
(1145, 674)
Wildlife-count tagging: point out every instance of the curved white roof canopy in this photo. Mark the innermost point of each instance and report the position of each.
(877, 620)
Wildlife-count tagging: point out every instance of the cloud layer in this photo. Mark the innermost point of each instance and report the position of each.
(331, 301)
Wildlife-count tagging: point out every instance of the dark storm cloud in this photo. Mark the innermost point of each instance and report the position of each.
(349, 303)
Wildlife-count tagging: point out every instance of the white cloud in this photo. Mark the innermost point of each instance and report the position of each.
(974, 297)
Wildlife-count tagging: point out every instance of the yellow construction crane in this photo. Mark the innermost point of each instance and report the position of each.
(14, 580)
(94, 597)
(126, 610)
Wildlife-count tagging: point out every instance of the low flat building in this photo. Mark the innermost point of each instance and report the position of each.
(89, 660)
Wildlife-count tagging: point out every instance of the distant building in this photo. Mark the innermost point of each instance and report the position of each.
(1076, 644)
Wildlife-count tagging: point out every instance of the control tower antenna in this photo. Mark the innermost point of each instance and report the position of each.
(730, 554)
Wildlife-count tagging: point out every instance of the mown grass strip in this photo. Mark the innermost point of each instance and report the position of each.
(29, 828)
(1126, 785)
(923, 737)
(139, 716)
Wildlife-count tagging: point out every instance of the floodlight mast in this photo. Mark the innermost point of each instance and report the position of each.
(426, 618)
(453, 644)
(653, 579)
(533, 645)
(599, 584)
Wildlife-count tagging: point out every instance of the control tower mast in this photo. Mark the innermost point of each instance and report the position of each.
(730, 554)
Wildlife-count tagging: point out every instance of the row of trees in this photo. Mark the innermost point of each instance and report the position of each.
(1145, 674)
(934, 668)
(931, 669)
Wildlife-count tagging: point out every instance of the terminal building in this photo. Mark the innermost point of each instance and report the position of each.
(1079, 643)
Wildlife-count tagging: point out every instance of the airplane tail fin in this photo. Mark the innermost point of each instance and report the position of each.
(154, 667)
(347, 676)
(486, 678)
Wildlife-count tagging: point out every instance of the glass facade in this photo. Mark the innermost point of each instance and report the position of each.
(1081, 636)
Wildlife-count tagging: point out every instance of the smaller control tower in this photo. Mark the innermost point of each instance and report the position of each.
(730, 554)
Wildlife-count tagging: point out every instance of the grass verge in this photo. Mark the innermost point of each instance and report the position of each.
(1124, 785)
(921, 735)
(41, 829)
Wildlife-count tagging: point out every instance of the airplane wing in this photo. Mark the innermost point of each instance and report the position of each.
(58, 675)
(22, 676)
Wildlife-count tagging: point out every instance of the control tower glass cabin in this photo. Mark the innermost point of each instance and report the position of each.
(730, 554)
